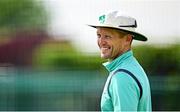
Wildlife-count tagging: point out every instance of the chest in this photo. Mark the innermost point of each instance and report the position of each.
(106, 101)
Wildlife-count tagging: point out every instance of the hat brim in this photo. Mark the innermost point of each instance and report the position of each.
(136, 35)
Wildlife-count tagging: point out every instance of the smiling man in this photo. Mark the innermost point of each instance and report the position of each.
(127, 87)
(112, 42)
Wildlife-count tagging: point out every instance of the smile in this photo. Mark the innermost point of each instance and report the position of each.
(104, 49)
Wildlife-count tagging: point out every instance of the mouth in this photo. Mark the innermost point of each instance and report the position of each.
(104, 49)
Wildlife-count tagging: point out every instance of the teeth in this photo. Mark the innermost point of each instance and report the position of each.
(104, 48)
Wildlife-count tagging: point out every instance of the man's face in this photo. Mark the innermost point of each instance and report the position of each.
(111, 43)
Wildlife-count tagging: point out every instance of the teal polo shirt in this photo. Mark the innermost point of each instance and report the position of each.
(122, 93)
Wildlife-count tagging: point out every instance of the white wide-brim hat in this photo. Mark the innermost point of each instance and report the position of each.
(116, 20)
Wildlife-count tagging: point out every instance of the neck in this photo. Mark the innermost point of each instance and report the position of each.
(109, 60)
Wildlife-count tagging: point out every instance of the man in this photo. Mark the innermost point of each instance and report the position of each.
(127, 87)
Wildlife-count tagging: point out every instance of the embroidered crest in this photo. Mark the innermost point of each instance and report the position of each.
(102, 19)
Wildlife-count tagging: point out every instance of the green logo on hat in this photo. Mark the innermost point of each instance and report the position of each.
(102, 19)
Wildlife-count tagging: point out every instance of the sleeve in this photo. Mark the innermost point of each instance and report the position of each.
(124, 92)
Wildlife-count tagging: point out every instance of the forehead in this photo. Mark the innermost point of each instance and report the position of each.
(110, 31)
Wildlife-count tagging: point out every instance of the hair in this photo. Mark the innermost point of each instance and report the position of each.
(121, 32)
(124, 33)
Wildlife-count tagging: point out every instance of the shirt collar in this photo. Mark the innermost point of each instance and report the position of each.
(110, 66)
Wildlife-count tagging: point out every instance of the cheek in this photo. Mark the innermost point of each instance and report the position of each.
(98, 42)
(117, 49)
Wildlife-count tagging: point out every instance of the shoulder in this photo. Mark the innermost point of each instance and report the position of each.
(124, 84)
(122, 78)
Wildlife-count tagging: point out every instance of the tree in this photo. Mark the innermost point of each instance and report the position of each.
(18, 15)
(23, 27)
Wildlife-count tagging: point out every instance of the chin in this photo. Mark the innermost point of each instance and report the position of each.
(105, 56)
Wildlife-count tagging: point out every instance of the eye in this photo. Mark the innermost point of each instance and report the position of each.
(98, 35)
(107, 37)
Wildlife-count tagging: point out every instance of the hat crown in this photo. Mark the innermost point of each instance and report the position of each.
(117, 19)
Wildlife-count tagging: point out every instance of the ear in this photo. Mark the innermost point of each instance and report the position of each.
(129, 38)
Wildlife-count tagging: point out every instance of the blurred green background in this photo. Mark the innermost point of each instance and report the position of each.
(38, 72)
